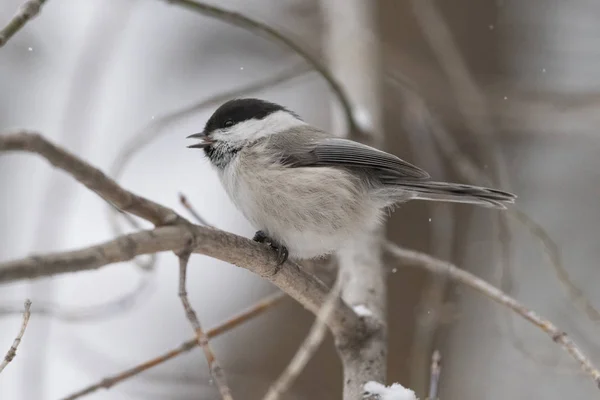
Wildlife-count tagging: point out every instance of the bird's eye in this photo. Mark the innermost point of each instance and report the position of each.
(228, 123)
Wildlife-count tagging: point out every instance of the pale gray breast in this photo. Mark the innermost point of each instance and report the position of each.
(278, 198)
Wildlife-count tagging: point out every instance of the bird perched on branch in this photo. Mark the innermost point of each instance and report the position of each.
(308, 192)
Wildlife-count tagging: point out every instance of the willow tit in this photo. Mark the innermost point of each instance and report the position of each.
(308, 192)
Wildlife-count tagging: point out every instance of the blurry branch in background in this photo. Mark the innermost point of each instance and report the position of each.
(12, 352)
(471, 172)
(415, 258)
(473, 109)
(308, 348)
(434, 375)
(252, 312)
(89, 313)
(29, 10)
(553, 253)
(260, 28)
(431, 304)
(201, 338)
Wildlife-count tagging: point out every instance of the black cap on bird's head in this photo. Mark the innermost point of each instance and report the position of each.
(232, 113)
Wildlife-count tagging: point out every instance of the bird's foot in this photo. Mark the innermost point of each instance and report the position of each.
(282, 251)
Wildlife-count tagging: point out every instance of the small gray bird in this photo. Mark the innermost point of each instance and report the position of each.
(308, 192)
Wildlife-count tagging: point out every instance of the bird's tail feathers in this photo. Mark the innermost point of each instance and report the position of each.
(458, 193)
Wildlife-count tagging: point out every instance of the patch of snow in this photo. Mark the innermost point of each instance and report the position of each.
(362, 311)
(393, 392)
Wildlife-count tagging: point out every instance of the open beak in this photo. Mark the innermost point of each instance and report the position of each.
(205, 141)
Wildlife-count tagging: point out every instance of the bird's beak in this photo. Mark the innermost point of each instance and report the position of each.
(205, 141)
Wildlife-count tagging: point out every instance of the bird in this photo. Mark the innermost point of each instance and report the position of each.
(307, 192)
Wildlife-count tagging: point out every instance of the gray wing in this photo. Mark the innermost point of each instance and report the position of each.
(310, 147)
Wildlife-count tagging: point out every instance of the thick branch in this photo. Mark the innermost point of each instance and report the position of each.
(303, 287)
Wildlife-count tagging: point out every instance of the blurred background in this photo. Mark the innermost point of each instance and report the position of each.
(513, 85)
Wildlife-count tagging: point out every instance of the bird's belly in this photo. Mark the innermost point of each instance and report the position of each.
(311, 211)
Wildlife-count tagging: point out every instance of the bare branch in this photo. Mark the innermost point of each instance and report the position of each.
(308, 347)
(234, 249)
(224, 327)
(553, 253)
(201, 338)
(28, 11)
(244, 22)
(92, 178)
(12, 352)
(434, 265)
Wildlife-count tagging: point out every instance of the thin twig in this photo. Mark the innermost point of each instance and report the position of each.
(308, 347)
(252, 312)
(553, 253)
(249, 24)
(201, 338)
(12, 352)
(29, 10)
(188, 206)
(434, 377)
(434, 265)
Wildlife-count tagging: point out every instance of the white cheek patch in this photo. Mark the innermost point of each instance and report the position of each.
(254, 129)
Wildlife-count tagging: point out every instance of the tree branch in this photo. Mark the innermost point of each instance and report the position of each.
(29, 10)
(308, 347)
(226, 326)
(228, 247)
(12, 352)
(244, 22)
(434, 265)
(201, 338)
